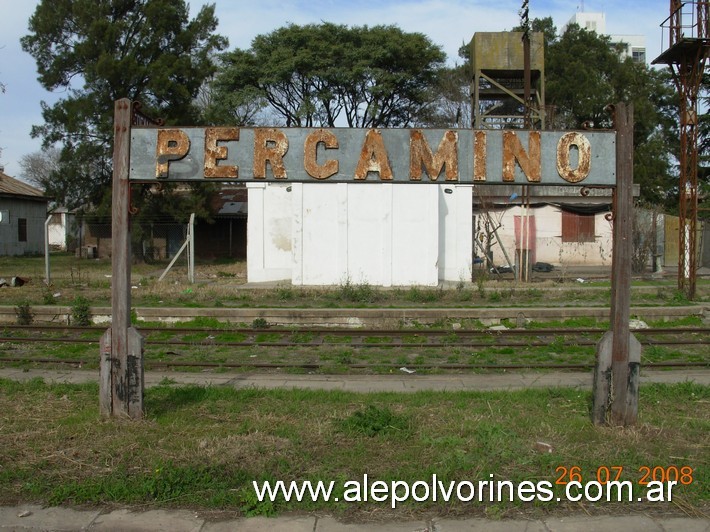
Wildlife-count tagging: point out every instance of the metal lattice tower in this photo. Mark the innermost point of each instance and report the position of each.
(686, 55)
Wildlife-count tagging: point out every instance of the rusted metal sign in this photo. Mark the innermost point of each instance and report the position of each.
(373, 155)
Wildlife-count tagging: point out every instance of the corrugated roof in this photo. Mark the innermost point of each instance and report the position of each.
(15, 187)
(230, 202)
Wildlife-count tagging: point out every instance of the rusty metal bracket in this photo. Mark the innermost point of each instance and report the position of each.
(132, 209)
(140, 119)
(587, 189)
(611, 216)
(588, 125)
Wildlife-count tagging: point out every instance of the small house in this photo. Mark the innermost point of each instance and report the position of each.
(23, 211)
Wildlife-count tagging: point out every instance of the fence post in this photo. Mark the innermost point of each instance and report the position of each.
(47, 278)
(191, 250)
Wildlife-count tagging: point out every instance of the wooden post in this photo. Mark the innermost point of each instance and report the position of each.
(191, 250)
(616, 374)
(121, 351)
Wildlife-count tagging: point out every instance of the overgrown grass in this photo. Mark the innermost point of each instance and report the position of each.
(201, 447)
(362, 292)
(221, 284)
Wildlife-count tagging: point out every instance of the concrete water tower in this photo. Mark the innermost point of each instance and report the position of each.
(498, 88)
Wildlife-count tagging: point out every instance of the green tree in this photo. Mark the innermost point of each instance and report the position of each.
(38, 168)
(580, 69)
(99, 51)
(313, 75)
(670, 114)
(450, 100)
(544, 25)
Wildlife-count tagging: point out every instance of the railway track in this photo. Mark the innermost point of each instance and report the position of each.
(357, 337)
(310, 340)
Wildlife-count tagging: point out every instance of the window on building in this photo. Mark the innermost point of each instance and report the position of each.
(22, 229)
(638, 55)
(577, 227)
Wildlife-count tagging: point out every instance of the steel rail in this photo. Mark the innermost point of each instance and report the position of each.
(312, 365)
(255, 343)
(345, 331)
(358, 338)
(364, 332)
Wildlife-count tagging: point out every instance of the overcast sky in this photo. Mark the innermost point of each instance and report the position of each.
(448, 23)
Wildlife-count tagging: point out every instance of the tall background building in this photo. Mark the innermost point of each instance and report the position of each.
(633, 46)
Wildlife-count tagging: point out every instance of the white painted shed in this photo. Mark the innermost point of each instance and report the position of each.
(381, 234)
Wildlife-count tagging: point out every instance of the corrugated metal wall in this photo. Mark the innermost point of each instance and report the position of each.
(35, 212)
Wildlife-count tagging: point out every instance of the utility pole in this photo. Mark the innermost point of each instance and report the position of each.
(121, 347)
(524, 270)
(618, 361)
(121, 382)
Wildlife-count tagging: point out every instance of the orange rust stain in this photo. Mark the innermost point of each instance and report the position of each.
(420, 155)
(214, 152)
(310, 154)
(479, 156)
(529, 161)
(173, 145)
(584, 152)
(270, 145)
(373, 157)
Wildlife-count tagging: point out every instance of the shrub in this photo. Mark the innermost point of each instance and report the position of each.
(259, 323)
(24, 313)
(362, 292)
(81, 312)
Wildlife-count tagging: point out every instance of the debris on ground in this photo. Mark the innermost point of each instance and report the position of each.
(543, 447)
(14, 281)
(542, 267)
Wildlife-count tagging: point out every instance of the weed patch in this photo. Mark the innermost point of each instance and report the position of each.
(375, 421)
